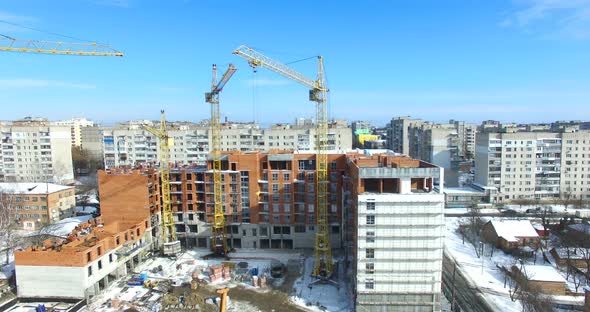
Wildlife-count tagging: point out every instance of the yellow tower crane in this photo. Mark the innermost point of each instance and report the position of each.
(171, 246)
(11, 44)
(317, 93)
(218, 239)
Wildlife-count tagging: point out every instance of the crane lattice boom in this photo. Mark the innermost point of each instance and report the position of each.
(218, 239)
(11, 44)
(317, 93)
(165, 143)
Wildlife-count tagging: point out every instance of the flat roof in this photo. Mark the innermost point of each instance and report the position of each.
(32, 188)
(542, 273)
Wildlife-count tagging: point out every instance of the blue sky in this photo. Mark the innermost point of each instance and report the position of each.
(520, 60)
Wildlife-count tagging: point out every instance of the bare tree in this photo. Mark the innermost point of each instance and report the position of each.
(8, 222)
(530, 295)
(566, 199)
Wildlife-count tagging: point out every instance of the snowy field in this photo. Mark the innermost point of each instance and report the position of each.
(484, 272)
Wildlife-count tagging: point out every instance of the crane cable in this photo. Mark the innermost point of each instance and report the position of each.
(254, 85)
(46, 32)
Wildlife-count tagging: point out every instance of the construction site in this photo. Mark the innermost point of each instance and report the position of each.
(277, 231)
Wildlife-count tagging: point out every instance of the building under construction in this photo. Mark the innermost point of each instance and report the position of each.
(385, 215)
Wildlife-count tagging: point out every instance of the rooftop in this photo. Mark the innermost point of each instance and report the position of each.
(511, 229)
(27, 188)
(541, 273)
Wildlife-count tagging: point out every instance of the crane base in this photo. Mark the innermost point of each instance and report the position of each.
(172, 248)
(324, 281)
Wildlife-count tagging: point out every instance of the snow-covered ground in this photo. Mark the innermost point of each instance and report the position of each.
(484, 272)
(321, 297)
(181, 269)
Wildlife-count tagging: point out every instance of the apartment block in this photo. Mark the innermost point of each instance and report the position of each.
(38, 204)
(129, 144)
(397, 233)
(35, 151)
(398, 139)
(92, 142)
(535, 165)
(76, 125)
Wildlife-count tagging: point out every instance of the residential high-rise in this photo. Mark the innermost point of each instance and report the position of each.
(76, 125)
(92, 141)
(398, 139)
(397, 233)
(535, 165)
(445, 145)
(129, 144)
(35, 151)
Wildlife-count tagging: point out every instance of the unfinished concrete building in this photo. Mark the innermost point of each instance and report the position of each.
(83, 264)
(397, 233)
(96, 252)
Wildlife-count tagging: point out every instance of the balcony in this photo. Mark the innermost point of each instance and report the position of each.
(384, 172)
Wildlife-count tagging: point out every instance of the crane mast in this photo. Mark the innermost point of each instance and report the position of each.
(218, 239)
(11, 44)
(171, 245)
(318, 94)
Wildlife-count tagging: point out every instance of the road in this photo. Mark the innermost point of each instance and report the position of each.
(467, 297)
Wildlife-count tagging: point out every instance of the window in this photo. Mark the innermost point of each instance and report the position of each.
(287, 207)
(275, 187)
(370, 205)
(111, 258)
(286, 187)
(371, 219)
(369, 283)
(275, 176)
(333, 165)
(100, 264)
(370, 253)
(89, 270)
(286, 177)
(254, 232)
(275, 207)
(88, 257)
(370, 236)
(310, 207)
(99, 251)
(370, 268)
(300, 229)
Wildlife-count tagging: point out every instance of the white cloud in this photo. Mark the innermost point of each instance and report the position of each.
(565, 18)
(40, 83)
